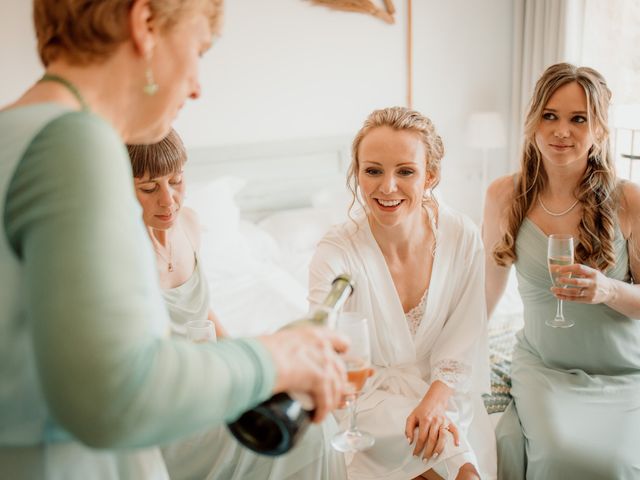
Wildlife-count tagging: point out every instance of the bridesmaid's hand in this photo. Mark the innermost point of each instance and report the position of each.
(587, 285)
(430, 420)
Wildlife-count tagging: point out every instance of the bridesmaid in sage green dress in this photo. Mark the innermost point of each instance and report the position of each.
(576, 391)
(175, 233)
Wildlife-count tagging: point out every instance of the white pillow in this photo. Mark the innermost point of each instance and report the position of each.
(215, 204)
(250, 292)
(297, 230)
(297, 233)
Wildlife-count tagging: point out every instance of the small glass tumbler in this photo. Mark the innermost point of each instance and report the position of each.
(201, 331)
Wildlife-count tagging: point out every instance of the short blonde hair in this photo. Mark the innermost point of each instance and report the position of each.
(85, 31)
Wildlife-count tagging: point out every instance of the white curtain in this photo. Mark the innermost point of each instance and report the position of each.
(545, 32)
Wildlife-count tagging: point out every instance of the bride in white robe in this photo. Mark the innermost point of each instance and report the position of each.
(420, 337)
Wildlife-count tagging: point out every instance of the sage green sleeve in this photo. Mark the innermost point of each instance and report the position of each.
(108, 374)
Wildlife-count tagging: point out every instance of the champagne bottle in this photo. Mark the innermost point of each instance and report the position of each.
(273, 427)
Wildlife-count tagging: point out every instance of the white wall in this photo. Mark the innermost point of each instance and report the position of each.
(463, 64)
(20, 63)
(286, 69)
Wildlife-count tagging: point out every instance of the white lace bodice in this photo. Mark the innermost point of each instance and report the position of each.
(450, 372)
(414, 316)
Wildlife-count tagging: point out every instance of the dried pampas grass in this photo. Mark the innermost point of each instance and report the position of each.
(363, 6)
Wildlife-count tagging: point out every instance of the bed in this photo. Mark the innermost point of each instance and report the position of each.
(263, 208)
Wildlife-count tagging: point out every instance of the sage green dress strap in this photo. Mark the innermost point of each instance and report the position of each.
(576, 390)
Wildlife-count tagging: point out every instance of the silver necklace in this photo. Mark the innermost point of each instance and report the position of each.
(168, 261)
(560, 214)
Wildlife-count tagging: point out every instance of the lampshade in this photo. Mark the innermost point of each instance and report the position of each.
(486, 130)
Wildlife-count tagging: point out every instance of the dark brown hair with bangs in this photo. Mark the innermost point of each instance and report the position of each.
(166, 157)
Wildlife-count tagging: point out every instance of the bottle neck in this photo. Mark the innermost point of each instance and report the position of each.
(341, 289)
(324, 314)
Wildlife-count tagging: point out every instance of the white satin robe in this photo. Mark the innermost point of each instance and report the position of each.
(453, 329)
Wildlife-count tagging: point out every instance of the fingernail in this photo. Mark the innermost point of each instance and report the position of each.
(435, 455)
(424, 460)
(409, 440)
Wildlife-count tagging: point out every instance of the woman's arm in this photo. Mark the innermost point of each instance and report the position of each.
(429, 418)
(191, 224)
(496, 204)
(221, 332)
(328, 261)
(108, 374)
(595, 287)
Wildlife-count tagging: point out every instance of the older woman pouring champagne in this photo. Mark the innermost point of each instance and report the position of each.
(89, 375)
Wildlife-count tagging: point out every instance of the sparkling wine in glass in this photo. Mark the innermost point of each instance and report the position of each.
(559, 252)
(358, 362)
(277, 424)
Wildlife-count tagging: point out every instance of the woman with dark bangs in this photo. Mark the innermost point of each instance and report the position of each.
(174, 230)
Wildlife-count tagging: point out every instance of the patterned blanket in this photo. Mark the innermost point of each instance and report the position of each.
(501, 343)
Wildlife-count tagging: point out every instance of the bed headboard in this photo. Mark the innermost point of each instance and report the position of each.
(278, 175)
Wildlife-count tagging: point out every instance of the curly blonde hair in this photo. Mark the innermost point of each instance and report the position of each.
(596, 192)
(398, 118)
(85, 31)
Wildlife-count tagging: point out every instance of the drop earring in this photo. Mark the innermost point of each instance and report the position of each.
(151, 87)
(427, 194)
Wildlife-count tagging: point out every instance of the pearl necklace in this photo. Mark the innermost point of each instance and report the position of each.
(553, 214)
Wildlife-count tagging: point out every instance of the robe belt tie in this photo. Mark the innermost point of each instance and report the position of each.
(398, 379)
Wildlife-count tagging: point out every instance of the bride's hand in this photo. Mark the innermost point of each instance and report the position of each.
(430, 420)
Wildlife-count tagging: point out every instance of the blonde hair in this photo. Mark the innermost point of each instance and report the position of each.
(166, 157)
(85, 31)
(596, 192)
(398, 118)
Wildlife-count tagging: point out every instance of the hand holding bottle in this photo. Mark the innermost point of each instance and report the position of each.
(307, 361)
(305, 354)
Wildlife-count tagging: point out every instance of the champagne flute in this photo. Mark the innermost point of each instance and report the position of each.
(200, 331)
(358, 362)
(277, 424)
(559, 252)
